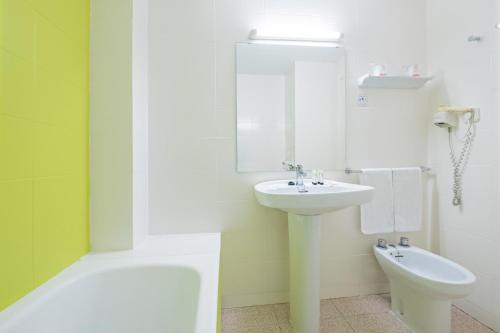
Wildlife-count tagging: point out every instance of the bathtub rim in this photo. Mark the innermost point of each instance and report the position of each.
(204, 260)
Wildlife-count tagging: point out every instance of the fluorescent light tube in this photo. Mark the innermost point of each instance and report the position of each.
(330, 36)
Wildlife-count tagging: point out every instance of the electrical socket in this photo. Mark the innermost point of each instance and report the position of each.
(362, 101)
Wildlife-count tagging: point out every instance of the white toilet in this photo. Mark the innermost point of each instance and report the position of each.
(423, 285)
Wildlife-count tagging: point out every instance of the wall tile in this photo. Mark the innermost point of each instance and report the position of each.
(371, 272)
(16, 243)
(403, 25)
(340, 277)
(245, 277)
(16, 147)
(43, 133)
(16, 85)
(465, 79)
(255, 238)
(50, 44)
(17, 34)
(60, 224)
(233, 21)
(69, 19)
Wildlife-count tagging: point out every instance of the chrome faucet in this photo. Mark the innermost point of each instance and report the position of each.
(382, 243)
(299, 174)
(404, 241)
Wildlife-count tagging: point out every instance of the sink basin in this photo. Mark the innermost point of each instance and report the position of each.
(318, 199)
(304, 232)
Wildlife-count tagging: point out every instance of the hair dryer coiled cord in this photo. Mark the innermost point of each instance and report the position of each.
(460, 162)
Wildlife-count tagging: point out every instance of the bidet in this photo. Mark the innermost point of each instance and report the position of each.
(423, 285)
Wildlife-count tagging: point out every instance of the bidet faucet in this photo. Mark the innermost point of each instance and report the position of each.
(398, 254)
(404, 241)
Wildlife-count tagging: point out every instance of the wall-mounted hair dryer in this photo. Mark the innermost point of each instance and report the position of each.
(445, 119)
(449, 117)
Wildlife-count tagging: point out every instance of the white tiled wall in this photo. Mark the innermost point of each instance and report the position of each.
(467, 75)
(194, 186)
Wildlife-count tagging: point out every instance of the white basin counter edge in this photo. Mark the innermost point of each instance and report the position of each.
(318, 199)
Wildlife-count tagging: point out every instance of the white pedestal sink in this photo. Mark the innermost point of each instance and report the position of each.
(304, 227)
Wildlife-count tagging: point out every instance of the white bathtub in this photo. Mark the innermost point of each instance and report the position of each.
(169, 285)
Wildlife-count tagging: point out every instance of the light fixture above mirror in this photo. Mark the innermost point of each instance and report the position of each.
(296, 36)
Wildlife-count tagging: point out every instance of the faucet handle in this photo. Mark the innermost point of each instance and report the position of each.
(382, 243)
(300, 170)
(404, 241)
(288, 165)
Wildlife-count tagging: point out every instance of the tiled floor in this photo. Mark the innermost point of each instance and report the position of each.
(367, 314)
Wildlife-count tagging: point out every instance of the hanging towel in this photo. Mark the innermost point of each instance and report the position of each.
(407, 184)
(377, 216)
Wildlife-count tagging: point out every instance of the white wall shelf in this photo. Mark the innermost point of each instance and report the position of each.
(392, 82)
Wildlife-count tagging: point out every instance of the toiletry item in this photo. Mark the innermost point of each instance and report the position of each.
(315, 177)
(378, 70)
(320, 177)
(412, 70)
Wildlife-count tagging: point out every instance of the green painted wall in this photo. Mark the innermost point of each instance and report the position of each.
(44, 56)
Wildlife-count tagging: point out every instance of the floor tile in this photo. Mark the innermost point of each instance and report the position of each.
(335, 325)
(362, 305)
(270, 329)
(461, 322)
(366, 314)
(376, 323)
(282, 314)
(386, 298)
(248, 317)
(328, 309)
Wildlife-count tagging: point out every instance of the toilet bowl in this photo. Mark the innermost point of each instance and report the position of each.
(423, 285)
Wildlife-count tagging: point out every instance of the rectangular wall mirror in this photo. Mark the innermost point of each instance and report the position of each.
(290, 106)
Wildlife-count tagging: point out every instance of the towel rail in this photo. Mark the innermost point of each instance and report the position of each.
(350, 171)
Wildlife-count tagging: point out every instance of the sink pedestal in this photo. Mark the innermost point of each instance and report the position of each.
(304, 227)
(304, 247)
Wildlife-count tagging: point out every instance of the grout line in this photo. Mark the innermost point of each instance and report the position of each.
(275, 317)
(343, 316)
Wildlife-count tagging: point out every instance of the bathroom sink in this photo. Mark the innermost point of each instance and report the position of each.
(318, 199)
(304, 210)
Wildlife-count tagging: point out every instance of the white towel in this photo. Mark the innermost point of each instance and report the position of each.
(377, 216)
(407, 184)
